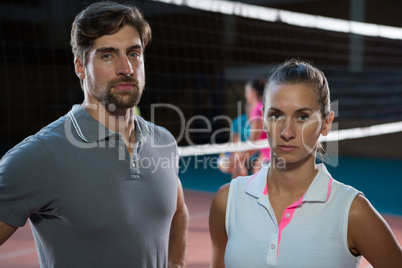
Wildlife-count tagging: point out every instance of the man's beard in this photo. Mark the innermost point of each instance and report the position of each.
(125, 99)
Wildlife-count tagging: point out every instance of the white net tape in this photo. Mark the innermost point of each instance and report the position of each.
(335, 135)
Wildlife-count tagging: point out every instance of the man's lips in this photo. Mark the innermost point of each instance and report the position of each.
(124, 86)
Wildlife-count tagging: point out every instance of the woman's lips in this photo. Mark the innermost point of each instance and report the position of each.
(287, 148)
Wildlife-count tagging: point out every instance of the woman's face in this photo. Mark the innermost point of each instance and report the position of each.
(250, 95)
(293, 121)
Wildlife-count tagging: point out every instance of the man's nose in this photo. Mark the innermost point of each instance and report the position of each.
(125, 67)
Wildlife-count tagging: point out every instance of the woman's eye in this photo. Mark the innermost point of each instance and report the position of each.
(275, 116)
(303, 117)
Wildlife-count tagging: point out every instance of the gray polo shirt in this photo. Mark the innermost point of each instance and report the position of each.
(89, 204)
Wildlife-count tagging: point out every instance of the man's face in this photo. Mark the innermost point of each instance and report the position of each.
(114, 74)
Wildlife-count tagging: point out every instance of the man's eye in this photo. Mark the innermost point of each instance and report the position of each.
(134, 55)
(106, 56)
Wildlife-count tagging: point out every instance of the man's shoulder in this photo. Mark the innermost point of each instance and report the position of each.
(35, 145)
(156, 130)
(53, 129)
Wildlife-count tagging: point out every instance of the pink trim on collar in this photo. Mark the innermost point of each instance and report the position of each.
(329, 189)
(252, 177)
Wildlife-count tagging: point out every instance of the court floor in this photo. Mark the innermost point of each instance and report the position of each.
(19, 251)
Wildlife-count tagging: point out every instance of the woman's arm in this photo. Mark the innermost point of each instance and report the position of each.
(370, 236)
(255, 129)
(6, 231)
(255, 134)
(217, 228)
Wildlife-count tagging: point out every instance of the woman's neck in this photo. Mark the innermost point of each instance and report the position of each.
(294, 178)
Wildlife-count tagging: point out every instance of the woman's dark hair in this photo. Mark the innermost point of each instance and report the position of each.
(296, 71)
(258, 85)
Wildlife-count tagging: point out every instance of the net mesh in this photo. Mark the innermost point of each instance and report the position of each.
(197, 63)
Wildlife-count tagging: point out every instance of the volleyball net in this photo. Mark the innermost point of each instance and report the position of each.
(201, 55)
(205, 51)
(219, 45)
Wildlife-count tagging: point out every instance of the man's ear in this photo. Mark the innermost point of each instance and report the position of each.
(79, 68)
(327, 124)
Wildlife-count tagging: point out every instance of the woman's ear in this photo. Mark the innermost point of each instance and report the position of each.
(326, 128)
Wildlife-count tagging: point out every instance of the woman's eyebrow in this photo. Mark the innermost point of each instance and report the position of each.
(304, 109)
(297, 111)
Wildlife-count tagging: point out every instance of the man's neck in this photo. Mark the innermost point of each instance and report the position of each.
(119, 120)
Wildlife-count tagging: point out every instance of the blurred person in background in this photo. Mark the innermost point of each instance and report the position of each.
(239, 132)
(252, 160)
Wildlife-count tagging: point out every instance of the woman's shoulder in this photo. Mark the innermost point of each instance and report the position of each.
(344, 189)
(241, 182)
(222, 194)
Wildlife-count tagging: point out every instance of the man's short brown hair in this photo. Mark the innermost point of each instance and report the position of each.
(105, 18)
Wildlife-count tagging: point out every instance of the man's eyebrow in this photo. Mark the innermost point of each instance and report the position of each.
(116, 50)
(106, 49)
(135, 47)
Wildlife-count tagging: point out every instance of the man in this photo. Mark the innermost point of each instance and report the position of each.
(100, 186)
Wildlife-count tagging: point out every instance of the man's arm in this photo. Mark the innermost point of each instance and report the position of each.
(178, 232)
(6, 231)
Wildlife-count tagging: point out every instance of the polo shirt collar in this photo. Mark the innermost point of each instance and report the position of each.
(143, 130)
(256, 184)
(318, 191)
(88, 128)
(320, 188)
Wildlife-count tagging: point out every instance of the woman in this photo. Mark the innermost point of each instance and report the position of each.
(239, 132)
(241, 163)
(253, 93)
(292, 213)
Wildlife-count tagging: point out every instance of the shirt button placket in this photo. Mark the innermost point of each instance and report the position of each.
(272, 251)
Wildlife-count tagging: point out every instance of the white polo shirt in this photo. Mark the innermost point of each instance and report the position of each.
(312, 231)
